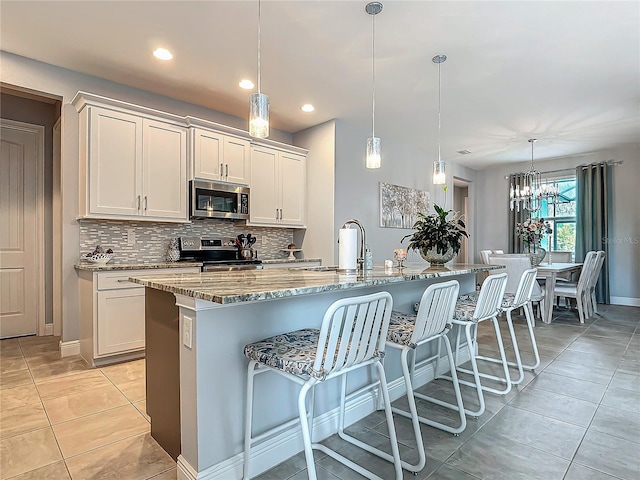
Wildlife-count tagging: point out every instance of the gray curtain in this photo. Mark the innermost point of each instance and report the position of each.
(594, 185)
(516, 245)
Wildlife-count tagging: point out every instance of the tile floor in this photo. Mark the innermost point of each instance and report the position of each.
(576, 418)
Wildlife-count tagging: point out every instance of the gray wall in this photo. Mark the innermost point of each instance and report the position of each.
(39, 113)
(624, 261)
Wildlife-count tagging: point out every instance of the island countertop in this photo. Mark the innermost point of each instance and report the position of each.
(253, 285)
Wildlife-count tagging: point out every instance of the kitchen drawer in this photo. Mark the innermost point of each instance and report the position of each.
(115, 280)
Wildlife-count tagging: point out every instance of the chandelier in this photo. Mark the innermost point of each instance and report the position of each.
(533, 191)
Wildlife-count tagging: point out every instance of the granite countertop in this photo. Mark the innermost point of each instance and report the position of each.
(297, 260)
(97, 267)
(252, 285)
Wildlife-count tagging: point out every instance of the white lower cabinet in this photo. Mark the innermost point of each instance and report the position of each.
(112, 314)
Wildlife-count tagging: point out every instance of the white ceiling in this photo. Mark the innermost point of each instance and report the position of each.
(567, 73)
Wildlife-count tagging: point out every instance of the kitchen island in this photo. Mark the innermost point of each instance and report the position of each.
(206, 319)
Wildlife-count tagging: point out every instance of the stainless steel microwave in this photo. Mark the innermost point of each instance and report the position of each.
(218, 200)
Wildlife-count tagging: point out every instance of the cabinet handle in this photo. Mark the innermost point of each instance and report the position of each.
(226, 168)
(138, 202)
(122, 280)
(221, 174)
(280, 214)
(277, 214)
(145, 203)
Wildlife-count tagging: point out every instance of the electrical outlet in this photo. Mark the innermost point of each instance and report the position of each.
(264, 239)
(186, 331)
(131, 237)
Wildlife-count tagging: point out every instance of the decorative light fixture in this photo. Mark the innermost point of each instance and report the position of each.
(533, 191)
(439, 176)
(373, 143)
(259, 102)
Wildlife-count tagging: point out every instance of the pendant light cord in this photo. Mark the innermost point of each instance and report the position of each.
(259, 15)
(373, 68)
(439, 108)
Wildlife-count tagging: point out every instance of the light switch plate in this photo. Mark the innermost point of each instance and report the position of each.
(187, 331)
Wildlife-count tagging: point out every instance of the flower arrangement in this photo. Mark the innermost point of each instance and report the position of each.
(435, 232)
(532, 230)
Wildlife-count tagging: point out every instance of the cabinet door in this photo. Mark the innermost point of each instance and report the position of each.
(207, 154)
(115, 153)
(236, 160)
(292, 187)
(165, 170)
(120, 321)
(264, 187)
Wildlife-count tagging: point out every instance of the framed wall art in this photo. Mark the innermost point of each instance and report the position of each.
(399, 206)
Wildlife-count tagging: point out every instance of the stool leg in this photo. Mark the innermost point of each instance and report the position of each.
(531, 319)
(248, 418)
(456, 385)
(390, 425)
(408, 374)
(515, 348)
(474, 370)
(304, 425)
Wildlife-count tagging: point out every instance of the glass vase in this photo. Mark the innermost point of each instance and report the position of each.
(536, 255)
(435, 258)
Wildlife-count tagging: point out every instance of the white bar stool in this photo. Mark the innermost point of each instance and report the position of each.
(352, 336)
(467, 315)
(408, 332)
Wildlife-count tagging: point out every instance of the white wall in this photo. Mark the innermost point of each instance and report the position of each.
(319, 237)
(624, 249)
(63, 83)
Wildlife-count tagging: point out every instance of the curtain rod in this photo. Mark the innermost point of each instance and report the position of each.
(610, 162)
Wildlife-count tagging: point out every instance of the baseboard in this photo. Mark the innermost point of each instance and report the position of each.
(68, 349)
(284, 445)
(628, 301)
(48, 329)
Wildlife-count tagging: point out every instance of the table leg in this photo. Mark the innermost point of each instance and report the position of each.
(548, 297)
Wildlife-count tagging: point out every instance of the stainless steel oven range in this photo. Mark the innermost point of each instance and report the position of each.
(219, 254)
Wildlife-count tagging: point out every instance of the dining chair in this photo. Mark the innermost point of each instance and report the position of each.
(352, 336)
(580, 290)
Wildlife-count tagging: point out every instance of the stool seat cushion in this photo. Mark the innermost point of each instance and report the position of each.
(292, 352)
(401, 328)
(507, 299)
(464, 311)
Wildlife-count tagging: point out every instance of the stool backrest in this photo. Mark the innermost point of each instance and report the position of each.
(525, 287)
(353, 331)
(484, 256)
(490, 298)
(436, 309)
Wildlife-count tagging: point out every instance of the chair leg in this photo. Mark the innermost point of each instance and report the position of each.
(516, 351)
(248, 419)
(580, 305)
(594, 303)
(306, 434)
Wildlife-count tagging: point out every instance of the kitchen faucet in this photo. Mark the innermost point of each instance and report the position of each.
(363, 240)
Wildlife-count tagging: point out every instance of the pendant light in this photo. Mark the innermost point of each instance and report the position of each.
(373, 142)
(439, 176)
(533, 191)
(259, 102)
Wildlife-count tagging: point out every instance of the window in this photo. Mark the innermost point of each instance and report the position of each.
(562, 217)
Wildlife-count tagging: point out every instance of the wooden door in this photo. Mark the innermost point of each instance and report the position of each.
(292, 185)
(21, 285)
(164, 171)
(115, 159)
(265, 194)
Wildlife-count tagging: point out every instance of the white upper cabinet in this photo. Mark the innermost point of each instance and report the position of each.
(132, 165)
(278, 191)
(218, 152)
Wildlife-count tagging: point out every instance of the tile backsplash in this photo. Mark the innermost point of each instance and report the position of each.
(152, 239)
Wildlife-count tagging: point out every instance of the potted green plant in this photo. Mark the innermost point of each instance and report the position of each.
(437, 238)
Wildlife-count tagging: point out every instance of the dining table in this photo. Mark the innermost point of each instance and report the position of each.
(550, 272)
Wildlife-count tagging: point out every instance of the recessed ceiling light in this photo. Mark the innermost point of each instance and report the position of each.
(246, 84)
(162, 54)
(307, 107)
